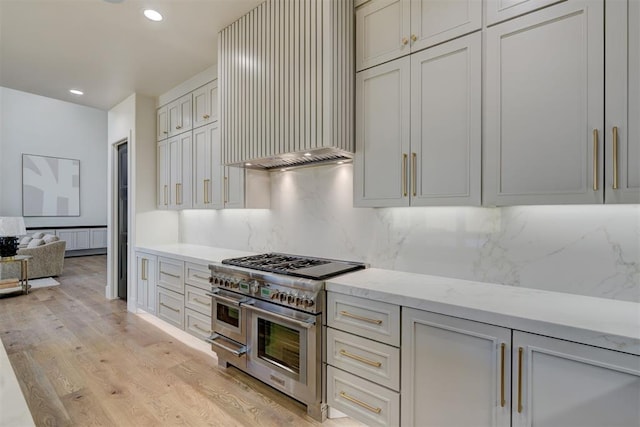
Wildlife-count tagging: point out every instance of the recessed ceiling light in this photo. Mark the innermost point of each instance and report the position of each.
(76, 92)
(153, 15)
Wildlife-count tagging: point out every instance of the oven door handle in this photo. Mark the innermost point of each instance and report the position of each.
(226, 299)
(303, 324)
(212, 340)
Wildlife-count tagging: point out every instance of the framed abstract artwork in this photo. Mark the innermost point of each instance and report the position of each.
(50, 186)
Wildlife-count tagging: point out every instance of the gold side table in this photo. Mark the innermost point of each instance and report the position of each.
(23, 281)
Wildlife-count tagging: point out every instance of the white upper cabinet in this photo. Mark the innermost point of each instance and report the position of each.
(163, 175)
(180, 171)
(179, 112)
(162, 123)
(382, 135)
(622, 108)
(418, 128)
(501, 10)
(383, 29)
(388, 29)
(207, 167)
(205, 104)
(544, 107)
(446, 108)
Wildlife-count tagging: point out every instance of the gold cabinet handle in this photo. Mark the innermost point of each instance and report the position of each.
(520, 379)
(360, 358)
(595, 160)
(206, 191)
(143, 273)
(414, 166)
(404, 175)
(198, 300)
(226, 190)
(178, 192)
(405, 41)
(364, 319)
(201, 277)
(170, 308)
(360, 403)
(413, 37)
(502, 400)
(169, 274)
(166, 192)
(206, 116)
(615, 157)
(195, 325)
(178, 127)
(165, 132)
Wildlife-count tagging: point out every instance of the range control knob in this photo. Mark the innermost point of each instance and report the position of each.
(283, 296)
(254, 287)
(275, 294)
(308, 302)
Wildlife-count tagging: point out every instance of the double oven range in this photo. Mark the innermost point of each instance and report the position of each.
(267, 316)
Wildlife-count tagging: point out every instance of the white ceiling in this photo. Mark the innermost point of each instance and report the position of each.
(108, 49)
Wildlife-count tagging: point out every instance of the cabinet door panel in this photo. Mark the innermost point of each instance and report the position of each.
(501, 10)
(201, 168)
(200, 107)
(382, 135)
(436, 21)
(453, 371)
(234, 188)
(446, 123)
(569, 384)
(622, 101)
(382, 32)
(543, 102)
(163, 175)
(162, 122)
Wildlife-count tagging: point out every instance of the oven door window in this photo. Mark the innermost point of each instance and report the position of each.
(228, 315)
(280, 345)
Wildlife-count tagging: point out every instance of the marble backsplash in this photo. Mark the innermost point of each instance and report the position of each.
(583, 249)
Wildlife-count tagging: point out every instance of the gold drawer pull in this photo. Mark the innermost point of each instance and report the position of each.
(615, 157)
(595, 160)
(360, 402)
(170, 308)
(502, 400)
(169, 274)
(201, 277)
(205, 116)
(520, 379)
(207, 303)
(195, 325)
(404, 175)
(364, 319)
(360, 358)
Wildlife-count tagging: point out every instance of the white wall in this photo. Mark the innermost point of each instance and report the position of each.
(583, 249)
(33, 124)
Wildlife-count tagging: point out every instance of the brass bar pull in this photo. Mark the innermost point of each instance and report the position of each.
(364, 319)
(519, 379)
(195, 325)
(180, 187)
(360, 358)
(360, 403)
(595, 160)
(143, 273)
(176, 195)
(201, 277)
(502, 400)
(226, 190)
(404, 175)
(169, 274)
(414, 166)
(206, 191)
(170, 308)
(166, 192)
(207, 303)
(615, 157)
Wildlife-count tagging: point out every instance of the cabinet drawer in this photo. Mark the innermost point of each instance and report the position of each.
(171, 307)
(171, 274)
(362, 399)
(197, 299)
(197, 275)
(376, 320)
(369, 359)
(197, 324)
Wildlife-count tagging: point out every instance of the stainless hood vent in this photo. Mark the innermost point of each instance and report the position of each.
(300, 159)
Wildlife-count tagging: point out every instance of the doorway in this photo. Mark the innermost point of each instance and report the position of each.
(122, 220)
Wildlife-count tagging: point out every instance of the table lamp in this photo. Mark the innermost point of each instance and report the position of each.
(10, 228)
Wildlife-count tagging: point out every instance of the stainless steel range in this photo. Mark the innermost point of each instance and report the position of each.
(267, 320)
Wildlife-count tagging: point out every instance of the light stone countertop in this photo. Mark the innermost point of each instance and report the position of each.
(192, 253)
(606, 323)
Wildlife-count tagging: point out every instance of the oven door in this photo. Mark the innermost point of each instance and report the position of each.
(228, 316)
(284, 349)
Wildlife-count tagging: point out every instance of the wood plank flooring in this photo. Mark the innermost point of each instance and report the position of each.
(82, 360)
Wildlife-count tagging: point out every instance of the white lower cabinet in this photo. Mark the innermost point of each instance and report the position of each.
(561, 383)
(146, 281)
(171, 307)
(197, 324)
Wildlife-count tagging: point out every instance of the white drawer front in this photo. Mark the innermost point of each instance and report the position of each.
(361, 399)
(371, 319)
(197, 275)
(197, 299)
(369, 359)
(171, 307)
(197, 324)
(171, 274)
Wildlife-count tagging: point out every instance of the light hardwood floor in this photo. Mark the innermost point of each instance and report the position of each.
(82, 360)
